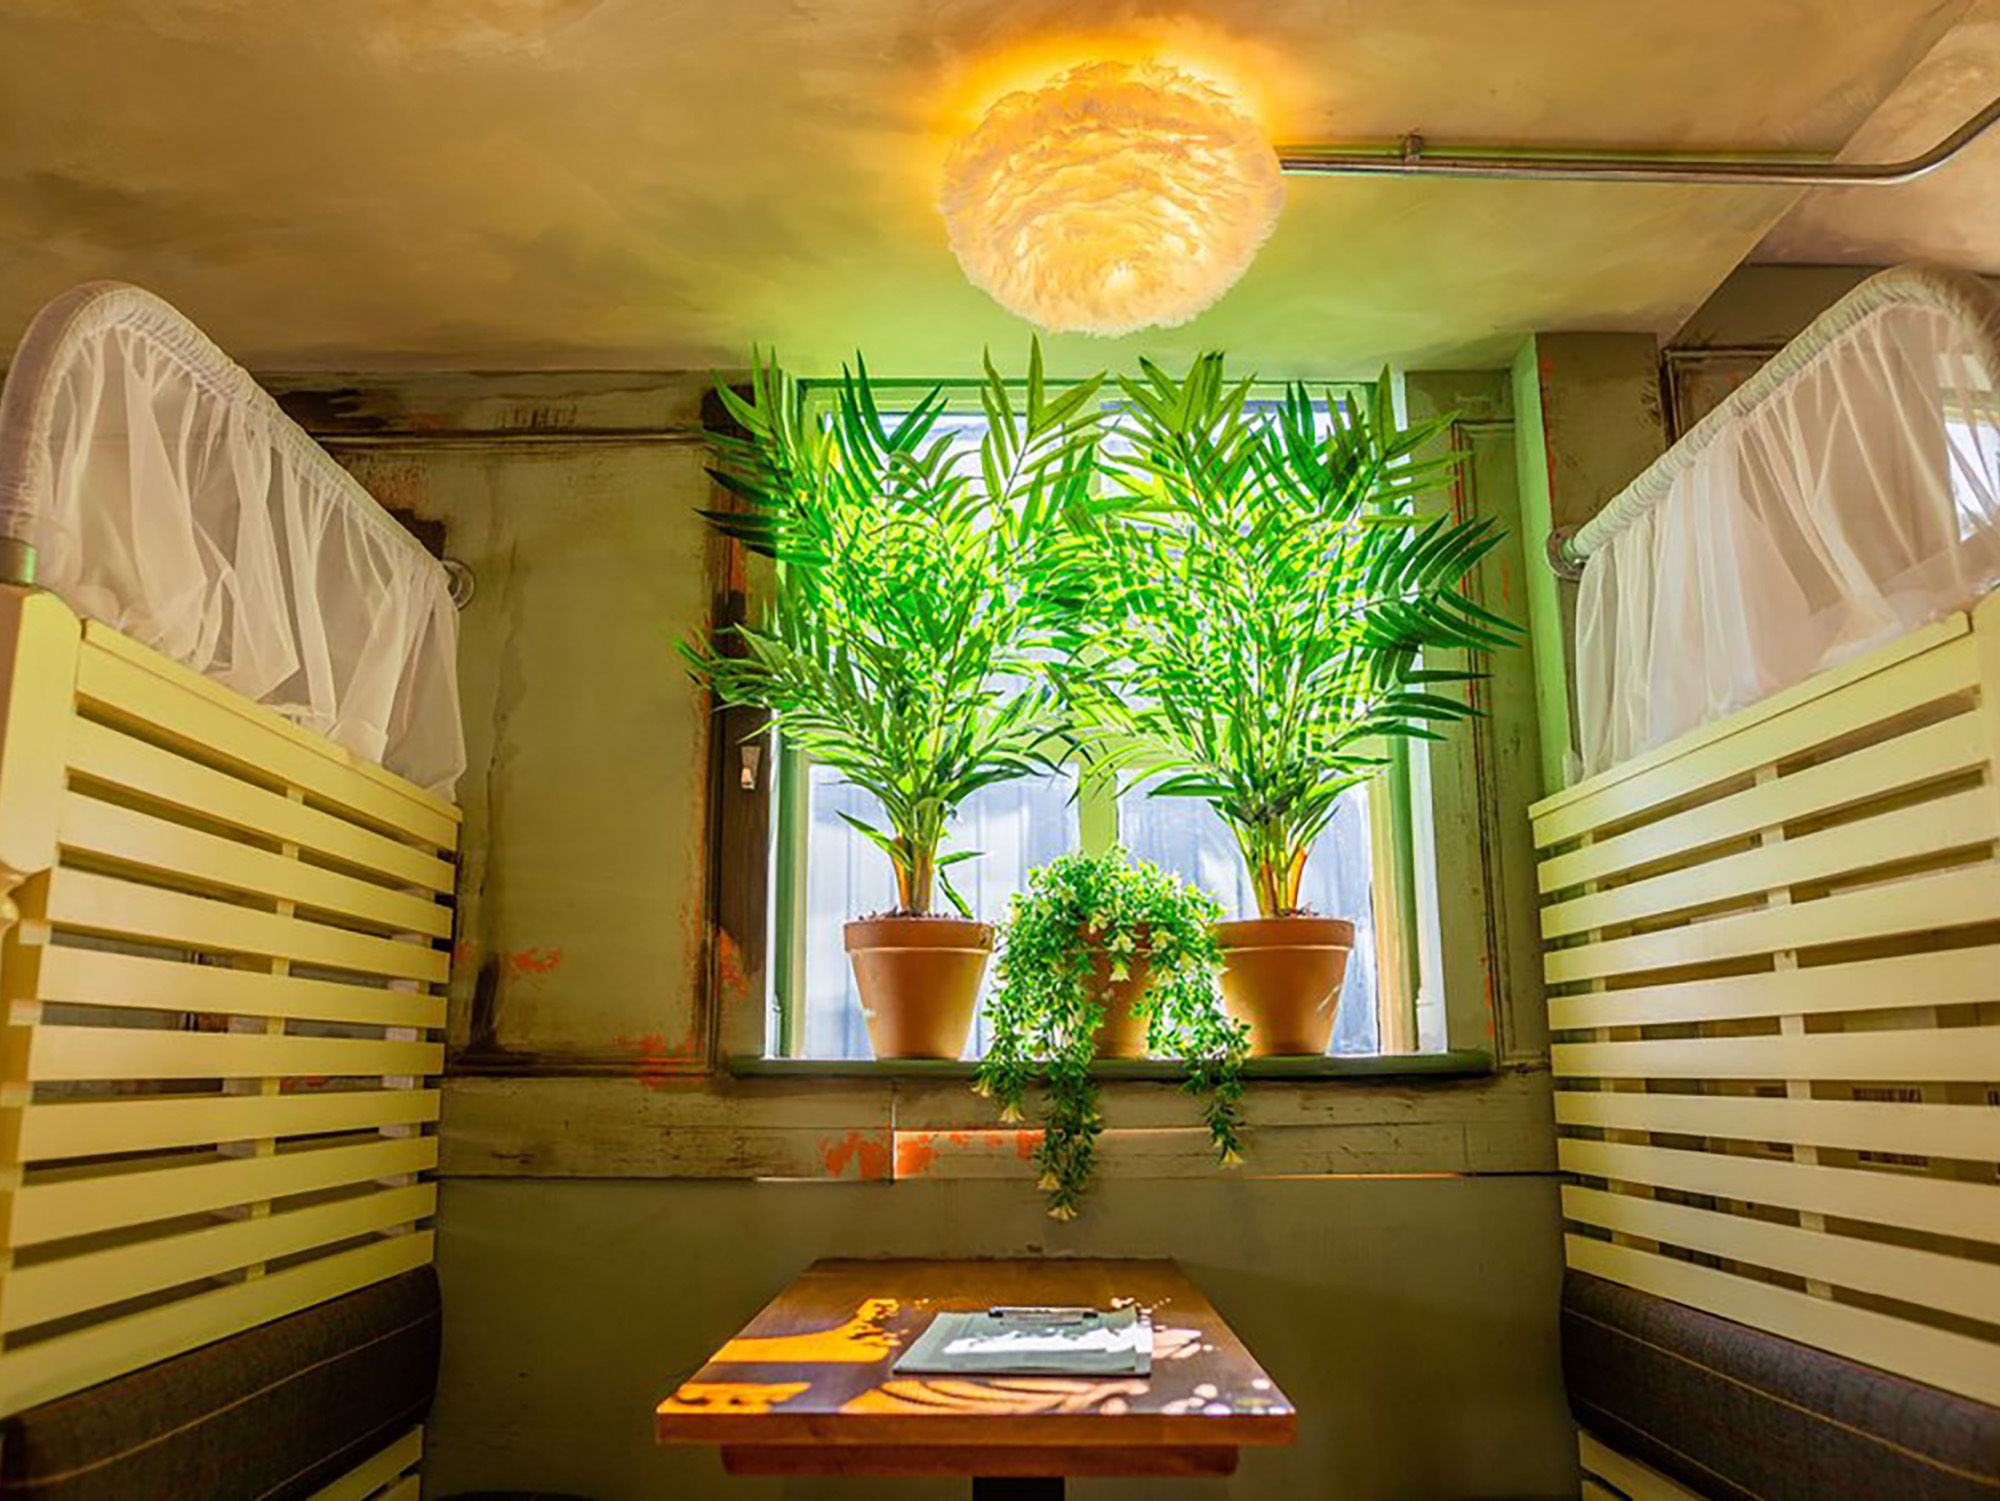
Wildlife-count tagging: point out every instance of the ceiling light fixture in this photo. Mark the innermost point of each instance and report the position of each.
(1117, 196)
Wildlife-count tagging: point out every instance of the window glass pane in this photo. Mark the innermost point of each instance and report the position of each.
(1018, 826)
(1183, 835)
(1973, 445)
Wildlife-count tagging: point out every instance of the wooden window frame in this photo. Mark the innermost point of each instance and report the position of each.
(1442, 814)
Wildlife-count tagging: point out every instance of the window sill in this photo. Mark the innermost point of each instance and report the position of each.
(1459, 1063)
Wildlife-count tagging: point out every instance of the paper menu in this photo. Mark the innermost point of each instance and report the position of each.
(1033, 1342)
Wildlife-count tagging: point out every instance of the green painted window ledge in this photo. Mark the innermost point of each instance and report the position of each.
(1457, 1063)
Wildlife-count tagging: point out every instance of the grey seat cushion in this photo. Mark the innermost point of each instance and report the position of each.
(267, 1415)
(1732, 1412)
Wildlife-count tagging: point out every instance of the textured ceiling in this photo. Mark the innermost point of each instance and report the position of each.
(475, 184)
(1951, 216)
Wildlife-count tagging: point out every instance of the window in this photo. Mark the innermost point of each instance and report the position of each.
(824, 873)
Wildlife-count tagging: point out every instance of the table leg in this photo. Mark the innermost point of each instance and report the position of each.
(1017, 1488)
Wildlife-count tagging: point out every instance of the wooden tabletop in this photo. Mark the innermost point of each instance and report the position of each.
(806, 1387)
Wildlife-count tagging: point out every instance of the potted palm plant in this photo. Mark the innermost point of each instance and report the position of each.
(917, 589)
(1106, 957)
(1274, 592)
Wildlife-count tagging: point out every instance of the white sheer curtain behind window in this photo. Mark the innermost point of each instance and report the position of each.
(166, 495)
(1016, 826)
(1844, 496)
(1184, 835)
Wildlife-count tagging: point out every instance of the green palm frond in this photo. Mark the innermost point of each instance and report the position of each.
(1266, 592)
(920, 590)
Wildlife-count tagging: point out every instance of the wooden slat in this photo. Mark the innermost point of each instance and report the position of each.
(76, 1284)
(111, 756)
(117, 644)
(1943, 1206)
(39, 643)
(89, 1128)
(1953, 1361)
(1926, 1278)
(92, 826)
(336, 760)
(1964, 1131)
(1922, 904)
(73, 1053)
(1634, 1480)
(1920, 668)
(102, 904)
(192, 710)
(386, 1467)
(55, 1367)
(54, 1209)
(1947, 823)
(97, 977)
(1926, 755)
(1956, 1053)
(1942, 977)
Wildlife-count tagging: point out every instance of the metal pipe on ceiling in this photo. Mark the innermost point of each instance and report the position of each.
(1416, 157)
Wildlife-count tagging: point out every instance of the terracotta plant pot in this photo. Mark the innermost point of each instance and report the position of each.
(919, 981)
(1122, 1033)
(1282, 975)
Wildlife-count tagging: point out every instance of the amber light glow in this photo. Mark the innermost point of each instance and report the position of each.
(1118, 196)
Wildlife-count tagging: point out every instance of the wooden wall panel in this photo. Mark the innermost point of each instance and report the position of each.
(222, 986)
(1773, 949)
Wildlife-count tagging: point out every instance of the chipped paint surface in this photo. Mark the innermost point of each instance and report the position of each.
(867, 1152)
(533, 961)
(583, 877)
(660, 1065)
(729, 967)
(918, 1152)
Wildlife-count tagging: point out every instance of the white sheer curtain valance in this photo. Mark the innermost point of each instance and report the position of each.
(1846, 494)
(164, 493)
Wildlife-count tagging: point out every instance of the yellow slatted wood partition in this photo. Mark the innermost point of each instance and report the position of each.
(223, 970)
(1773, 952)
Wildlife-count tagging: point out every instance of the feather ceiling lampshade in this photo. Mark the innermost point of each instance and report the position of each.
(1116, 197)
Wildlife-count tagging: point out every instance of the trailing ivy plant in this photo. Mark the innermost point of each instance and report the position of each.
(920, 588)
(1046, 1008)
(1278, 605)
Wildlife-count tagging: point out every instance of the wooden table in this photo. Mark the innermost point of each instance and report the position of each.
(806, 1389)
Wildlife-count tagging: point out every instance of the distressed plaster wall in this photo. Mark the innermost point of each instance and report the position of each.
(1747, 319)
(627, 1218)
(1589, 420)
(582, 889)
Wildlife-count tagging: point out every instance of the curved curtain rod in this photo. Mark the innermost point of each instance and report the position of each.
(1413, 156)
(59, 333)
(1965, 298)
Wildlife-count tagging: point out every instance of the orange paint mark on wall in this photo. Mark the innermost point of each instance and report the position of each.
(659, 1064)
(533, 961)
(729, 964)
(868, 1151)
(915, 1152)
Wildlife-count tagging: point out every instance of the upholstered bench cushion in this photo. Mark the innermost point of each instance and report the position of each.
(1732, 1412)
(273, 1413)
